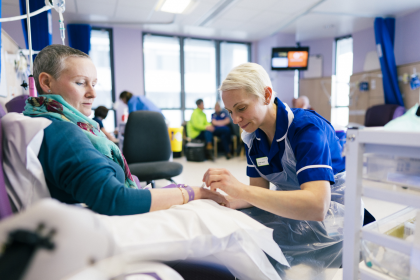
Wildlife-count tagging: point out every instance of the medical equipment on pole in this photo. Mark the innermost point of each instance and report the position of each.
(60, 7)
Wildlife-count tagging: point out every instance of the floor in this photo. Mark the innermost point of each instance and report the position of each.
(193, 173)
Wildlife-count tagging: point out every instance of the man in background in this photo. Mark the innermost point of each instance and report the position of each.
(220, 120)
(302, 102)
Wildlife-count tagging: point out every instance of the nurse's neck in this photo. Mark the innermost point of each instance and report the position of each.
(269, 123)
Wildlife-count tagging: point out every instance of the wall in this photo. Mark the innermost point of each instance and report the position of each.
(283, 82)
(362, 100)
(407, 39)
(128, 64)
(322, 47)
(363, 43)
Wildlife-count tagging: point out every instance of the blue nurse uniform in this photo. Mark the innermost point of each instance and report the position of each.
(305, 148)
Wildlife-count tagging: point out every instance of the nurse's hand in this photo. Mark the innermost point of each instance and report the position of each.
(222, 179)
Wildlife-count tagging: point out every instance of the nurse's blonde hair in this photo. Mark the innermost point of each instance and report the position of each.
(248, 76)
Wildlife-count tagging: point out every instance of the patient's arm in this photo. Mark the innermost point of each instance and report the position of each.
(165, 198)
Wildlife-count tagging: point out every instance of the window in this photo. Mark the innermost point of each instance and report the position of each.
(101, 55)
(232, 55)
(178, 71)
(340, 81)
(200, 72)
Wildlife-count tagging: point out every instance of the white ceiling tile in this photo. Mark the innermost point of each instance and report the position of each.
(293, 6)
(268, 17)
(225, 24)
(146, 4)
(251, 4)
(161, 17)
(240, 13)
(132, 13)
(96, 7)
(373, 7)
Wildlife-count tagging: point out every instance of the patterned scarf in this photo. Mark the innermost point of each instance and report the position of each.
(54, 106)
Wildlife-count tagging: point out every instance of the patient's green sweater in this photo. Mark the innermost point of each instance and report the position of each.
(76, 172)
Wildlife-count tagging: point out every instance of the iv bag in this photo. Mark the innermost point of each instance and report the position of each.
(58, 5)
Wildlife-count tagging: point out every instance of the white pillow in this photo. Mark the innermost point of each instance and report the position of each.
(23, 174)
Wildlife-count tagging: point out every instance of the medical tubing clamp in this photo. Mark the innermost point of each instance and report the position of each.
(20, 249)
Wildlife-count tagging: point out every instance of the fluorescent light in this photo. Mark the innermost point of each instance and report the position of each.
(175, 6)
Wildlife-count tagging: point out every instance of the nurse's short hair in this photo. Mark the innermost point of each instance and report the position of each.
(51, 60)
(248, 76)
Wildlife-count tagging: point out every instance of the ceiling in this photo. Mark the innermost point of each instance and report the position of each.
(246, 20)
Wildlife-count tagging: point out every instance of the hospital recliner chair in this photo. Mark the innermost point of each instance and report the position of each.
(380, 115)
(17, 104)
(25, 242)
(147, 147)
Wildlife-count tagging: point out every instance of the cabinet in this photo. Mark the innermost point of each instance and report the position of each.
(377, 141)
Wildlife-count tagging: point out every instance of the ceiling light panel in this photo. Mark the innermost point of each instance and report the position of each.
(175, 6)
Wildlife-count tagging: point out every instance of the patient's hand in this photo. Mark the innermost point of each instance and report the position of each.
(202, 193)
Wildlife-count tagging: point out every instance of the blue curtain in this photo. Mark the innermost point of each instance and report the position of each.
(41, 25)
(384, 35)
(79, 36)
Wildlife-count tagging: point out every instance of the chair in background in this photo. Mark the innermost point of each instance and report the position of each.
(147, 147)
(380, 115)
(5, 208)
(17, 104)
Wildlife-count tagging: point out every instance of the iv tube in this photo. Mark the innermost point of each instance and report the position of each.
(62, 28)
(32, 89)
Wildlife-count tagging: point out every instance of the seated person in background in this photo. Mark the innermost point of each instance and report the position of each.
(100, 114)
(80, 164)
(302, 102)
(138, 103)
(199, 128)
(221, 120)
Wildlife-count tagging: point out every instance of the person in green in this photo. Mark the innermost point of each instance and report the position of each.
(199, 128)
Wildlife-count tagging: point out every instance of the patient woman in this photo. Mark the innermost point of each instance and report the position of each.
(80, 164)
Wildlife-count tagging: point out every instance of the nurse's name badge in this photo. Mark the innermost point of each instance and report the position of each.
(262, 161)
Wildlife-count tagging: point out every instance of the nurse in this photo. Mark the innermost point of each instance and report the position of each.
(297, 152)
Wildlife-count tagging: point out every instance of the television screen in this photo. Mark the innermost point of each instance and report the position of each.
(290, 58)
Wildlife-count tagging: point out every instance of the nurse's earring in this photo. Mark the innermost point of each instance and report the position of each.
(49, 91)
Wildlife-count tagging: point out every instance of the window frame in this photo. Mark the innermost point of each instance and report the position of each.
(335, 69)
(111, 59)
(182, 65)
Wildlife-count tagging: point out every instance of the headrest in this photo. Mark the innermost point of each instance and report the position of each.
(24, 177)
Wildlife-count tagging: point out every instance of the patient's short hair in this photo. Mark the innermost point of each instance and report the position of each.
(51, 60)
(101, 112)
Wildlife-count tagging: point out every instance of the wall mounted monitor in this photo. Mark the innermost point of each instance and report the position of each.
(290, 58)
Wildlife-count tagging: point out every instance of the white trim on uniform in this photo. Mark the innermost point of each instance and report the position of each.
(250, 165)
(290, 116)
(259, 139)
(313, 166)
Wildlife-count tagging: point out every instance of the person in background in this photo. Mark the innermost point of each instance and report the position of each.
(220, 120)
(302, 102)
(199, 128)
(100, 114)
(137, 103)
